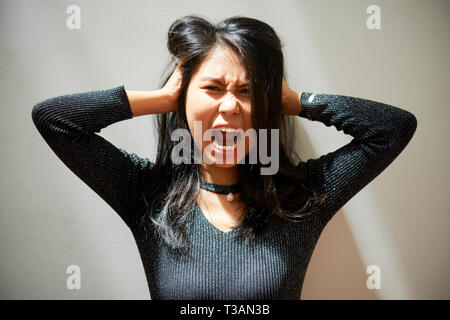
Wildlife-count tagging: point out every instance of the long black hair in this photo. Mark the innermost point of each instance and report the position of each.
(175, 187)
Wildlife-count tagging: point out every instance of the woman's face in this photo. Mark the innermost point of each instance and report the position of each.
(219, 95)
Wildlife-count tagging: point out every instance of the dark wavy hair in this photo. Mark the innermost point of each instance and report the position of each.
(175, 187)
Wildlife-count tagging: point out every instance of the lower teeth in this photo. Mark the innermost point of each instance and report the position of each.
(227, 148)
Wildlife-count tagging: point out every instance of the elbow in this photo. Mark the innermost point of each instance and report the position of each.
(38, 112)
(35, 112)
(41, 111)
(405, 128)
(42, 115)
(410, 125)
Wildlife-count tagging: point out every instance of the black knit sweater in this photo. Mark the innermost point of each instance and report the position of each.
(224, 267)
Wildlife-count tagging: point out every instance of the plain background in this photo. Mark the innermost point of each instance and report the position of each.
(50, 219)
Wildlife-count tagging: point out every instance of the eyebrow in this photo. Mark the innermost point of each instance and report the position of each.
(216, 80)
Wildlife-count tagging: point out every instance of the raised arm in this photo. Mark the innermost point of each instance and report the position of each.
(69, 124)
(380, 133)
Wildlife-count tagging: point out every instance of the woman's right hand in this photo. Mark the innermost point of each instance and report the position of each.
(173, 87)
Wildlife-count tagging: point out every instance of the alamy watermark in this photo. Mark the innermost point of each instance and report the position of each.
(232, 147)
(73, 281)
(374, 280)
(374, 20)
(74, 20)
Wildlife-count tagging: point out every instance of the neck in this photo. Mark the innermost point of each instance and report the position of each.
(221, 176)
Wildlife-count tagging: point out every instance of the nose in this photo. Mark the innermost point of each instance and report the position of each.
(229, 106)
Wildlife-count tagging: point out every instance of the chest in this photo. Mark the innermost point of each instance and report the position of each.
(221, 213)
(226, 268)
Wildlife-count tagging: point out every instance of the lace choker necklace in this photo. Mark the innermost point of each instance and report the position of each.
(218, 188)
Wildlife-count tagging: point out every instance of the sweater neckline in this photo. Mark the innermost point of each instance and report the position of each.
(205, 222)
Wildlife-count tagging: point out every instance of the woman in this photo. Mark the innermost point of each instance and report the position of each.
(223, 230)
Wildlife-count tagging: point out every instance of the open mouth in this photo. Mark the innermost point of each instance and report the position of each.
(230, 139)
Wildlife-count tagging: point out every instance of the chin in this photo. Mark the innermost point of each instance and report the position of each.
(225, 165)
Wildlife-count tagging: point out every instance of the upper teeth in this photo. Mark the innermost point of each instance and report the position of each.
(228, 129)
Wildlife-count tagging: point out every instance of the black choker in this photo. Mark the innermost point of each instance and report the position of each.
(217, 188)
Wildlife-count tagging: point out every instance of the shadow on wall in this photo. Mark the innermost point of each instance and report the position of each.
(336, 270)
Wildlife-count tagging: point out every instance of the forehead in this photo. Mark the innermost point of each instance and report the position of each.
(223, 64)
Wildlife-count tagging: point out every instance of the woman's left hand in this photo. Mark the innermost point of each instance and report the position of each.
(290, 100)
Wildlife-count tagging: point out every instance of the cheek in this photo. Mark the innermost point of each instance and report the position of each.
(199, 118)
(197, 104)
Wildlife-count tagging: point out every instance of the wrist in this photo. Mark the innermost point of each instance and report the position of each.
(148, 102)
(168, 100)
(293, 104)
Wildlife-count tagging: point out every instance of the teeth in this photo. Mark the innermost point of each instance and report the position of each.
(225, 148)
(224, 130)
(228, 129)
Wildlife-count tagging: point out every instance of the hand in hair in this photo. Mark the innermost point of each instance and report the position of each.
(290, 100)
(173, 87)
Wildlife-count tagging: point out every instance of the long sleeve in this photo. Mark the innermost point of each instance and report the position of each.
(380, 132)
(69, 124)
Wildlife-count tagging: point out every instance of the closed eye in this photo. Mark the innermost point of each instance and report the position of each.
(214, 87)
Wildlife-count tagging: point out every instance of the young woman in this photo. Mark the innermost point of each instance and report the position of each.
(224, 230)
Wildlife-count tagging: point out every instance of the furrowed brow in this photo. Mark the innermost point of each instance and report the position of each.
(216, 80)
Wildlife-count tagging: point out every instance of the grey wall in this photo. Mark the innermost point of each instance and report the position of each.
(50, 219)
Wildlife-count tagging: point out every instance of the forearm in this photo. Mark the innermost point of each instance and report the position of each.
(148, 102)
(361, 118)
(82, 112)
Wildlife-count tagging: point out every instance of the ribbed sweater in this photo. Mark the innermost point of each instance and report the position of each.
(224, 267)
